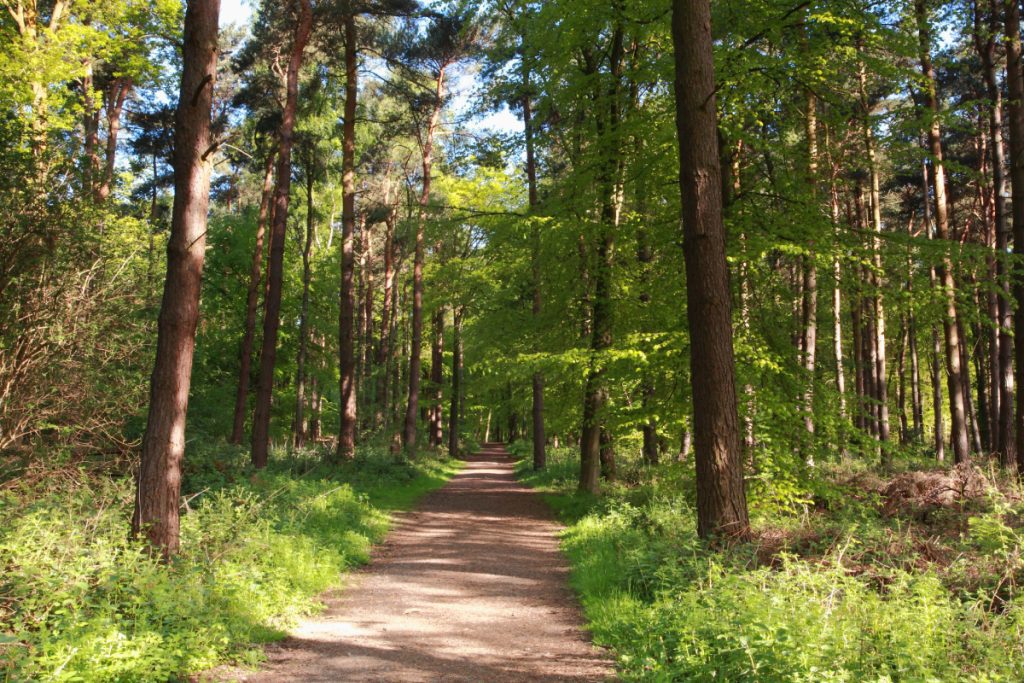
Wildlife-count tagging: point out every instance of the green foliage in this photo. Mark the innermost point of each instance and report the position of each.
(81, 602)
(844, 596)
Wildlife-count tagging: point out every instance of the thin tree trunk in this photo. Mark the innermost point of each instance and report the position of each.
(810, 276)
(117, 93)
(721, 499)
(251, 303)
(455, 407)
(1015, 85)
(537, 412)
(275, 277)
(163, 445)
(299, 425)
(385, 343)
(415, 351)
(436, 422)
(961, 447)
(346, 347)
(880, 381)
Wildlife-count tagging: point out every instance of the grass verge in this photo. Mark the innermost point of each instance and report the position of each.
(80, 602)
(845, 590)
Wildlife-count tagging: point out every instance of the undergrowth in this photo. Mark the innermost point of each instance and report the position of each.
(79, 601)
(838, 590)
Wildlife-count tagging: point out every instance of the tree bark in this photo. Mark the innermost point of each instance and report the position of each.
(721, 498)
(115, 96)
(1015, 85)
(1003, 365)
(537, 412)
(415, 351)
(251, 303)
(436, 422)
(275, 271)
(959, 438)
(299, 425)
(163, 445)
(346, 343)
(880, 377)
(455, 407)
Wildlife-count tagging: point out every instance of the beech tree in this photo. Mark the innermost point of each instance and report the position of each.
(721, 498)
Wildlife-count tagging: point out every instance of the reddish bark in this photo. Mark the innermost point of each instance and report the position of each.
(163, 445)
(275, 276)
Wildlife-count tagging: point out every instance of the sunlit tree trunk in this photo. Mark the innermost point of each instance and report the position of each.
(721, 499)
(1015, 89)
(415, 351)
(954, 369)
(275, 271)
(299, 424)
(251, 303)
(163, 444)
(346, 343)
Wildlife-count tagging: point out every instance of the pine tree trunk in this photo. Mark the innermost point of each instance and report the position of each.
(346, 342)
(251, 304)
(455, 407)
(275, 272)
(415, 351)
(958, 416)
(1015, 90)
(721, 499)
(384, 359)
(163, 445)
(537, 411)
(436, 422)
(299, 423)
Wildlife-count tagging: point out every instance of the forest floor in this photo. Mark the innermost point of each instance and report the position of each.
(470, 586)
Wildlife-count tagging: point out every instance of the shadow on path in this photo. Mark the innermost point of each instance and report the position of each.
(470, 586)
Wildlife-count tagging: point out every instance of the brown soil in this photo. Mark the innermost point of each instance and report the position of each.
(469, 587)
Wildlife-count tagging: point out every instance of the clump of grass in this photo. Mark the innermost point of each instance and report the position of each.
(79, 601)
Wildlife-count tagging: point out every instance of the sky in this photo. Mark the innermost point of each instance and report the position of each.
(238, 12)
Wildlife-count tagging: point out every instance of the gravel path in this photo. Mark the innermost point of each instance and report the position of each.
(469, 587)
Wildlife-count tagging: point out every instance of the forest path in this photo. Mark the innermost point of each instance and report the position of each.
(470, 586)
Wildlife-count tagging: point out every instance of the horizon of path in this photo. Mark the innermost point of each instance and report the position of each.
(469, 586)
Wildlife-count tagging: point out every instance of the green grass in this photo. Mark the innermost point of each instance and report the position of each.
(80, 602)
(839, 592)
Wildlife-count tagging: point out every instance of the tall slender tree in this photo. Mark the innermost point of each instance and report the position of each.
(163, 445)
(275, 271)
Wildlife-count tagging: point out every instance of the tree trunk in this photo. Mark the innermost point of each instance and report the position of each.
(880, 377)
(961, 447)
(1015, 85)
(810, 277)
(415, 351)
(117, 93)
(721, 498)
(1002, 365)
(436, 421)
(537, 412)
(384, 345)
(455, 408)
(275, 276)
(251, 303)
(346, 343)
(163, 445)
(299, 425)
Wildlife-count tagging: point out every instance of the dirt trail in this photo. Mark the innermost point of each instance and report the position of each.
(469, 587)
